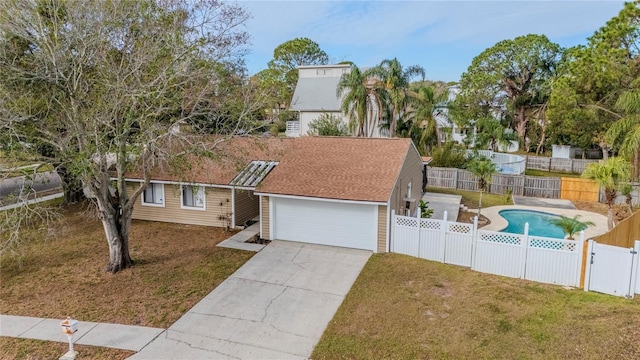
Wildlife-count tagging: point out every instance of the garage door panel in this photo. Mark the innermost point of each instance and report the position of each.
(326, 223)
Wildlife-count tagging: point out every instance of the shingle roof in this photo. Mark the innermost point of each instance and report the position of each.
(223, 164)
(316, 94)
(362, 169)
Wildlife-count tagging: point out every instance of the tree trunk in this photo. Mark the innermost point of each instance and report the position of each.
(480, 204)
(610, 217)
(521, 127)
(636, 166)
(610, 196)
(116, 229)
(71, 185)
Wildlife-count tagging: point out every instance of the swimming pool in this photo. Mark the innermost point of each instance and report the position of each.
(538, 223)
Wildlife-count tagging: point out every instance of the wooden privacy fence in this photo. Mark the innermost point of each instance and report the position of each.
(523, 185)
(624, 234)
(557, 164)
(579, 189)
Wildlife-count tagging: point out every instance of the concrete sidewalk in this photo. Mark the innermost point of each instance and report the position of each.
(239, 240)
(126, 337)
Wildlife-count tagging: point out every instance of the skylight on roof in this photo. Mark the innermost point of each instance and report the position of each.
(253, 173)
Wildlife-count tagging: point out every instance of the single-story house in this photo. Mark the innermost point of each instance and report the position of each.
(210, 191)
(338, 191)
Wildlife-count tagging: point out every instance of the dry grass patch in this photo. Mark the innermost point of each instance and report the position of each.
(28, 349)
(404, 307)
(62, 272)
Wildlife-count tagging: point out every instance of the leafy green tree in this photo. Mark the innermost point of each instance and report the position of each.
(570, 226)
(449, 155)
(106, 85)
(282, 72)
(625, 132)
(391, 81)
(514, 77)
(609, 175)
(328, 125)
(584, 100)
(483, 169)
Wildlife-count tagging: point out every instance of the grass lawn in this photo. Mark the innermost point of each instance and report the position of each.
(61, 273)
(470, 198)
(402, 307)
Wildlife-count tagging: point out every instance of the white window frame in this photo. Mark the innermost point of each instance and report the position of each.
(189, 207)
(162, 199)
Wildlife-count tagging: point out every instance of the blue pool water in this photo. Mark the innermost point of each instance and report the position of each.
(538, 223)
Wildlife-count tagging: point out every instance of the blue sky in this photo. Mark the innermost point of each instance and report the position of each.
(441, 36)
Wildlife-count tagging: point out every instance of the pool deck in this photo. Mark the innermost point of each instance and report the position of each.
(498, 222)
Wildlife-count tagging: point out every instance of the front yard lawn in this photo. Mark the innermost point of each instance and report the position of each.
(61, 273)
(402, 307)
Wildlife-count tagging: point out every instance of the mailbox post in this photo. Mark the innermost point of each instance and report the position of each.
(69, 327)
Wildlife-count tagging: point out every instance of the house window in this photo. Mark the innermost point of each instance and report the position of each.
(193, 197)
(321, 71)
(153, 195)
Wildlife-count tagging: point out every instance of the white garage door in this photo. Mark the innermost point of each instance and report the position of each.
(325, 223)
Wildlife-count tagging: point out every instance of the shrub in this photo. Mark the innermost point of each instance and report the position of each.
(328, 125)
(449, 155)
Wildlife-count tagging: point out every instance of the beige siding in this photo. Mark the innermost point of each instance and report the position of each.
(265, 218)
(382, 228)
(411, 172)
(247, 206)
(218, 203)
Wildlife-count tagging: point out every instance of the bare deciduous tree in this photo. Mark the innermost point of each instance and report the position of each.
(102, 84)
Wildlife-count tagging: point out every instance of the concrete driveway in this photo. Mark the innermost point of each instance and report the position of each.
(276, 306)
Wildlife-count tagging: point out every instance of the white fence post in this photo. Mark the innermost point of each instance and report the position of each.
(587, 271)
(392, 230)
(634, 269)
(525, 247)
(418, 213)
(443, 238)
(474, 240)
(580, 250)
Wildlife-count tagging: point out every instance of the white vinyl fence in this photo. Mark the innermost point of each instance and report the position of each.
(438, 240)
(546, 260)
(613, 270)
(540, 259)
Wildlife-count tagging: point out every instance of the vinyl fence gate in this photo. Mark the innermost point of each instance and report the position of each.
(613, 270)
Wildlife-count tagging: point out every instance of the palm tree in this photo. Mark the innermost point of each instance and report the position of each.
(490, 133)
(627, 191)
(420, 121)
(483, 169)
(609, 175)
(570, 226)
(359, 102)
(625, 132)
(391, 79)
